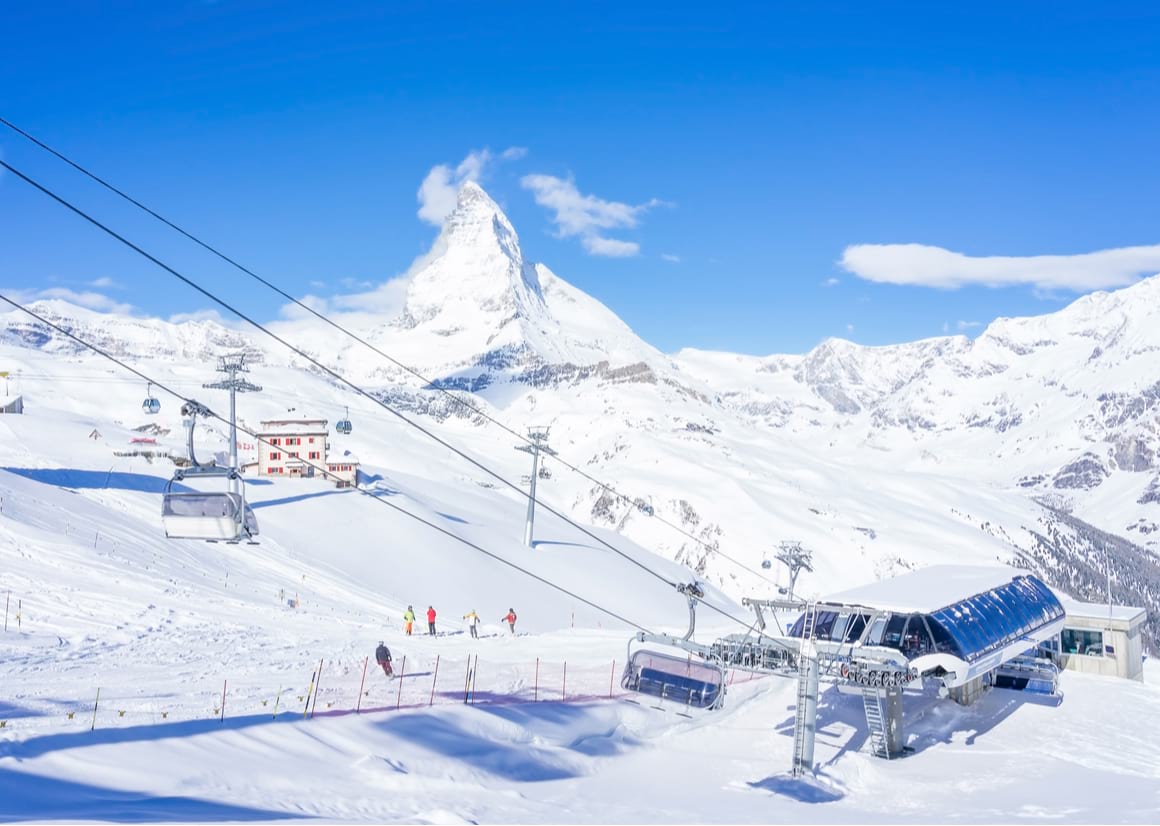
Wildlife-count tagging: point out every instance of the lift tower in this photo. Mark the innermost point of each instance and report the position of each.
(233, 365)
(539, 444)
(796, 559)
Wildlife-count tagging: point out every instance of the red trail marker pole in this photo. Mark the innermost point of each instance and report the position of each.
(317, 686)
(358, 705)
(96, 703)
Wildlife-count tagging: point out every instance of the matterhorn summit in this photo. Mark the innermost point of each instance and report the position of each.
(474, 269)
(484, 313)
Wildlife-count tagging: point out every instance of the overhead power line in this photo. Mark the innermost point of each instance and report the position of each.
(381, 500)
(354, 336)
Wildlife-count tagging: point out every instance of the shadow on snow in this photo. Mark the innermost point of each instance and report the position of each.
(35, 797)
(517, 762)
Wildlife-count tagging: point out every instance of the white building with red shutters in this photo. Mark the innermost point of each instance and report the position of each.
(300, 447)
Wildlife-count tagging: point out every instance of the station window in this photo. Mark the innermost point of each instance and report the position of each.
(1082, 641)
(892, 637)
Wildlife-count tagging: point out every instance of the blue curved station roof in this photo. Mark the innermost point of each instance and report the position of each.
(969, 611)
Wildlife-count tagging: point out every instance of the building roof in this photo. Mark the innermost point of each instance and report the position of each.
(1099, 610)
(971, 611)
(928, 589)
(279, 427)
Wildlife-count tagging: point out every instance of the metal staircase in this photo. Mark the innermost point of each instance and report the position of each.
(806, 712)
(876, 722)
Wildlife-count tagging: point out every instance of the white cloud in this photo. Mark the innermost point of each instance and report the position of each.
(383, 301)
(586, 216)
(672, 259)
(831, 282)
(849, 328)
(105, 283)
(969, 325)
(946, 327)
(199, 315)
(440, 188)
(609, 247)
(88, 299)
(927, 266)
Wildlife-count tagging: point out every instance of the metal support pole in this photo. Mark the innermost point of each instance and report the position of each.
(537, 444)
(532, 497)
(235, 482)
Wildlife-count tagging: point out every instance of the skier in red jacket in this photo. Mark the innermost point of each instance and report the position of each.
(431, 620)
(510, 619)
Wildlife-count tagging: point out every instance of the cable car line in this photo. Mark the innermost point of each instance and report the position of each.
(342, 379)
(332, 373)
(96, 349)
(322, 317)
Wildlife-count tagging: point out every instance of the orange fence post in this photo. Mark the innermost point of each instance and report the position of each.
(358, 705)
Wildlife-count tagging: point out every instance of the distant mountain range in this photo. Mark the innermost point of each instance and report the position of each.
(1040, 436)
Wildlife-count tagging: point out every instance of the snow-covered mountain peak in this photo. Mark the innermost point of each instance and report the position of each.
(475, 268)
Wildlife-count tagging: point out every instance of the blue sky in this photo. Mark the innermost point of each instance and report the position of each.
(768, 139)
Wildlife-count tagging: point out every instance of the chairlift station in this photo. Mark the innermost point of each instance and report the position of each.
(965, 628)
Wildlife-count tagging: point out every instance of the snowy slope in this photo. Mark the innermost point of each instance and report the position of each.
(880, 459)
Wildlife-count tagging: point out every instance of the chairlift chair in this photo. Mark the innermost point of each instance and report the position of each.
(674, 676)
(343, 425)
(150, 406)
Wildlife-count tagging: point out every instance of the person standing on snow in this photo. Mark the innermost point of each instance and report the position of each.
(472, 623)
(431, 620)
(510, 619)
(409, 619)
(383, 658)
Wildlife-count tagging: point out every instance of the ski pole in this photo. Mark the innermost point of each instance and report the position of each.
(611, 679)
(223, 718)
(434, 679)
(277, 700)
(536, 687)
(564, 685)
